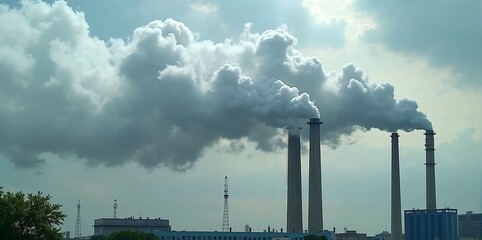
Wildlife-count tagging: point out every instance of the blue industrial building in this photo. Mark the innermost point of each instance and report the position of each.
(431, 224)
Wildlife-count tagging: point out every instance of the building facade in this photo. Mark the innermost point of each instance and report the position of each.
(383, 236)
(107, 226)
(431, 224)
(205, 235)
(470, 226)
(351, 235)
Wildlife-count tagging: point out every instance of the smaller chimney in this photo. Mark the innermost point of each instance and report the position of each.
(294, 219)
(430, 169)
(396, 211)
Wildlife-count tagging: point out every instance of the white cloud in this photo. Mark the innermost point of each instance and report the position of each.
(205, 8)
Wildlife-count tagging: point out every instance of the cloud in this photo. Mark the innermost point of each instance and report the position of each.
(163, 96)
(446, 33)
(205, 8)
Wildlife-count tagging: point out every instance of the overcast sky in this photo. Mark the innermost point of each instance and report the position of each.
(153, 102)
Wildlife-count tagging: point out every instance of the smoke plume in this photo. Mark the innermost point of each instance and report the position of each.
(162, 97)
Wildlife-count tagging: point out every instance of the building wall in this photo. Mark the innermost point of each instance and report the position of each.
(351, 235)
(107, 226)
(199, 235)
(470, 225)
(383, 236)
(440, 224)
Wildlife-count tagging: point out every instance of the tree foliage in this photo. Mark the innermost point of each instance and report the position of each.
(29, 217)
(132, 235)
(98, 237)
(314, 237)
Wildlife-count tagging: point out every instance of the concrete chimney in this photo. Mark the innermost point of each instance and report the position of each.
(294, 220)
(430, 169)
(315, 207)
(396, 202)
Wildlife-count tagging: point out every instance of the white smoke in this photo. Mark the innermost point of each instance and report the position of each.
(163, 97)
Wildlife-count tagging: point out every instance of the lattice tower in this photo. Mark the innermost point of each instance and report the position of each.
(78, 226)
(225, 213)
(115, 208)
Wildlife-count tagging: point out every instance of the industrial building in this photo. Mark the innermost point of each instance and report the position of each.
(470, 226)
(266, 235)
(351, 235)
(162, 229)
(382, 236)
(430, 224)
(107, 226)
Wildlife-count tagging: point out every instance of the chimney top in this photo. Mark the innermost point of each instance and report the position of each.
(315, 121)
(429, 132)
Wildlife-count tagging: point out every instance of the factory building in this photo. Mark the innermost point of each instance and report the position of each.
(107, 226)
(381, 236)
(267, 235)
(351, 235)
(430, 224)
(162, 229)
(470, 226)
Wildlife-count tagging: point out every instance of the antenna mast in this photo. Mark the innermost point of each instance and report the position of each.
(225, 213)
(115, 208)
(78, 232)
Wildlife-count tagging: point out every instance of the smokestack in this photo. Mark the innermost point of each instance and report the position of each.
(430, 169)
(315, 207)
(396, 202)
(294, 210)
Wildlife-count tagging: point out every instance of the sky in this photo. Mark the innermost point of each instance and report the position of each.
(152, 103)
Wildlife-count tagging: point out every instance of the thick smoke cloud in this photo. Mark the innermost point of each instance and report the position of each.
(163, 97)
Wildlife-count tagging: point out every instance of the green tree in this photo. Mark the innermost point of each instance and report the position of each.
(314, 237)
(132, 235)
(98, 237)
(29, 217)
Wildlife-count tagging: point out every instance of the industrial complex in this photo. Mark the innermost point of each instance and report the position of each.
(430, 223)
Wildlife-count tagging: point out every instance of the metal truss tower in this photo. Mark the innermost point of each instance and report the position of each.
(225, 213)
(78, 231)
(115, 208)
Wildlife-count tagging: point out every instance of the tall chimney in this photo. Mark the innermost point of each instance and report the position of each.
(430, 169)
(315, 207)
(396, 202)
(294, 220)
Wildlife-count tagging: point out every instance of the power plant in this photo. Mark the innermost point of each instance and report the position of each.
(419, 224)
(315, 204)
